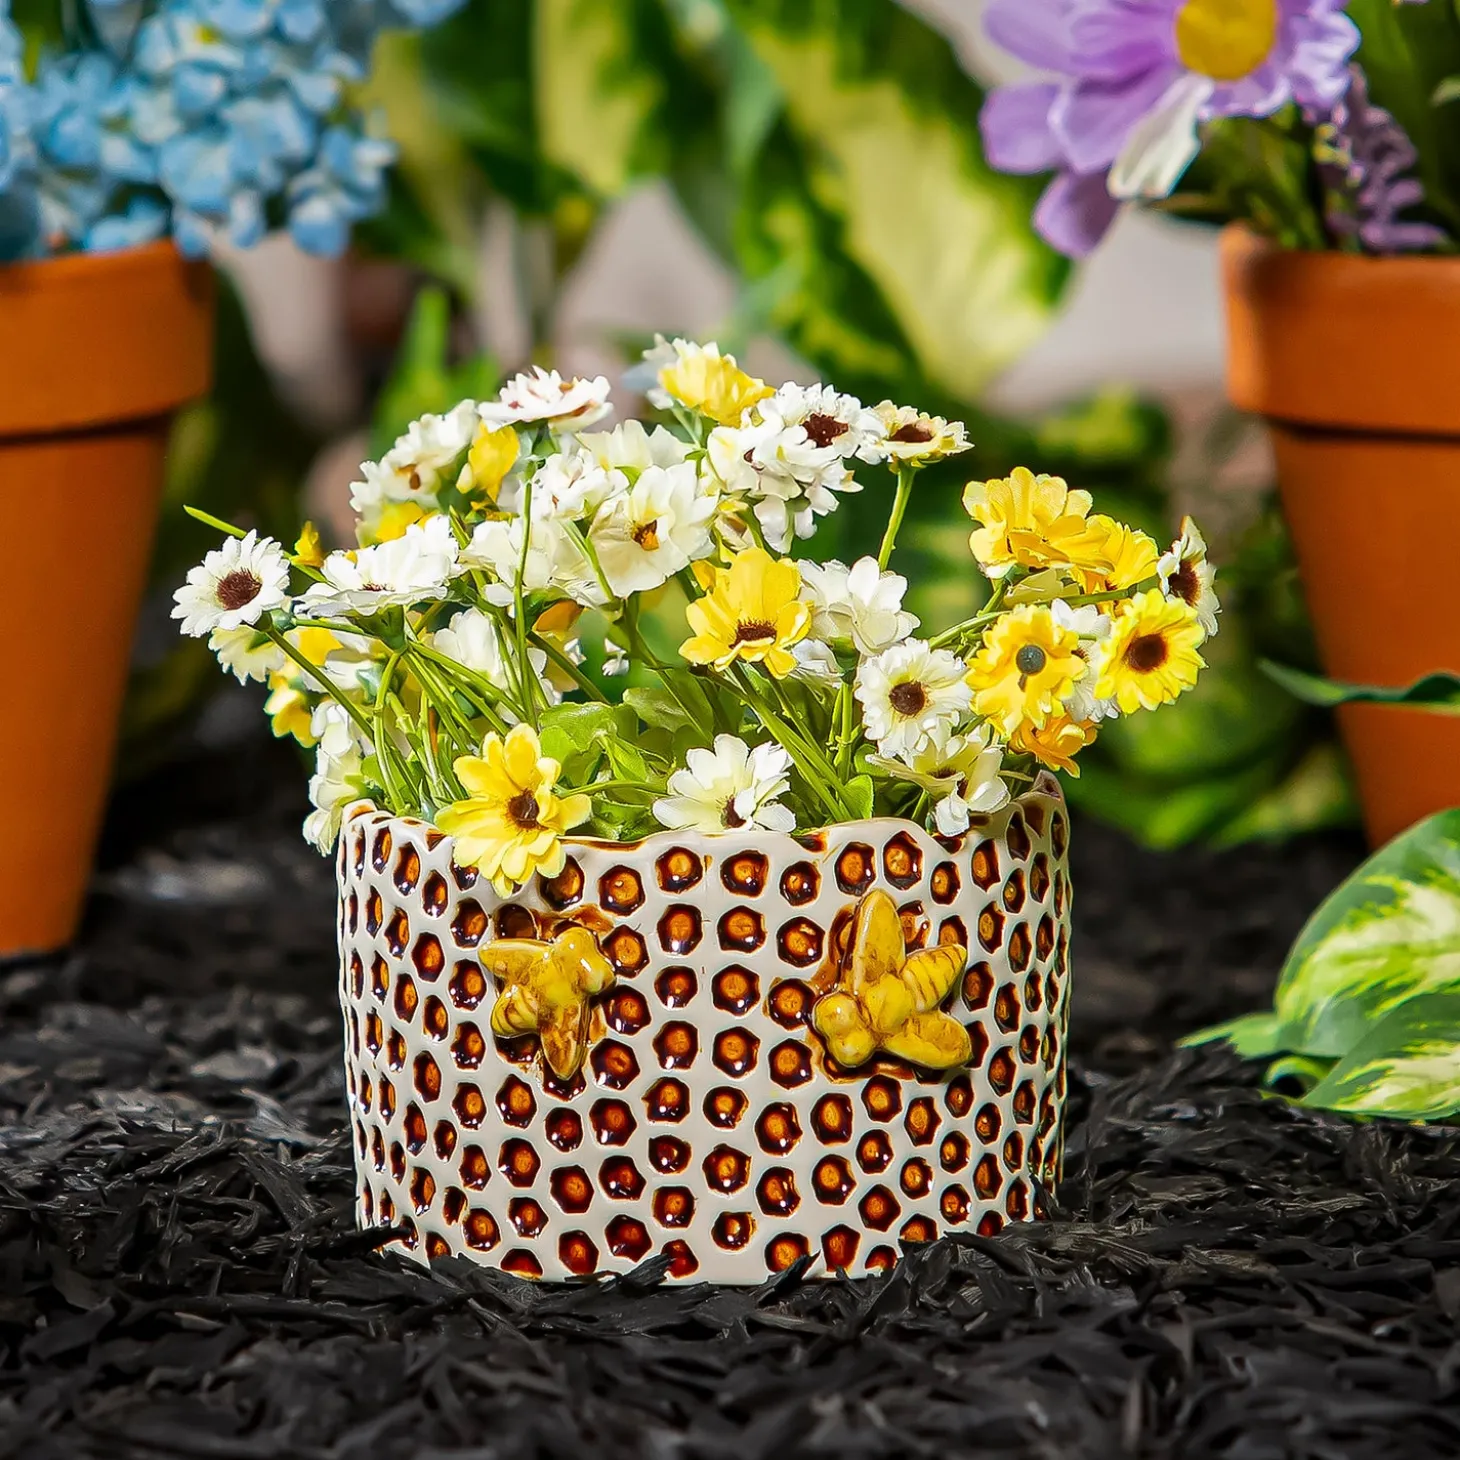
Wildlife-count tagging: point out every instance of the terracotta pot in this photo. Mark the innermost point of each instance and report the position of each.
(1351, 360)
(99, 351)
(706, 1119)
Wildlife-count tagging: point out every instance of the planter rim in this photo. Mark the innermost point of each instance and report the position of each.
(96, 339)
(1344, 342)
(1044, 784)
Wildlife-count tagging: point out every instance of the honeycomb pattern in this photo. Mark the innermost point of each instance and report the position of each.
(708, 1122)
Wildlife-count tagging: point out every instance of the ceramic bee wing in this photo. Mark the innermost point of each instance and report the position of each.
(931, 973)
(877, 945)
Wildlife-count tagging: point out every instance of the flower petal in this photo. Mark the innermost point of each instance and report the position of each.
(1017, 136)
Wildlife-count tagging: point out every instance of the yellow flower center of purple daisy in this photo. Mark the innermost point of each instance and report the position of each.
(1226, 39)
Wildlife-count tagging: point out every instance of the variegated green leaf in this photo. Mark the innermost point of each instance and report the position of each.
(1390, 933)
(1407, 1066)
(897, 193)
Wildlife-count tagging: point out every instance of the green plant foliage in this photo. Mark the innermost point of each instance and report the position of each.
(1373, 982)
(1439, 692)
(1408, 1065)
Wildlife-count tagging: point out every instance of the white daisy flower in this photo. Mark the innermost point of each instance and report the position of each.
(815, 663)
(860, 603)
(963, 773)
(412, 470)
(554, 560)
(339, 775)
(911, 436)
(615, 659)
(911, 697)
(569, 486)
(234, 586)
(543, 395)
(660, 525)
(729, 788)
(1093, 628)
(473, 639)
(246, 654)
(816, 419)
(415, 566)
(781, 473)
(629, 447)
(1186, 574)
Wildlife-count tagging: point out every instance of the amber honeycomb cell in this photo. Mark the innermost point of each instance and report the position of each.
(647, 1121)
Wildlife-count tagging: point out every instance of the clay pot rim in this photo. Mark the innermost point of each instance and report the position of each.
(1351, 344)
(59, 268)
(992, 824)
(101, 339)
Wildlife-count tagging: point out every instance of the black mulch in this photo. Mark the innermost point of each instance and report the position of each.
(179, 1277)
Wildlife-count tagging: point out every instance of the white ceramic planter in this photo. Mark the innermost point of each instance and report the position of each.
(708, 1119)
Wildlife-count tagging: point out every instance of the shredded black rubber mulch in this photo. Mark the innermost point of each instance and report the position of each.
(179, 1275)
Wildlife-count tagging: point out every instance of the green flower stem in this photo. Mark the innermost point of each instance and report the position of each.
(905, 475)
(569, 668)
(643, 787)
(216, 523)
(437, 688)
(401, 792)
(324, 681)
(468, 683)
(845, 730)
(808, 761)
(580, 540)
(527, 679)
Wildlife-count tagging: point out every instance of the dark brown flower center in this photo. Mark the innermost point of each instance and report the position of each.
(914, 431)
(1185, 584)
(238, 589)
(823, 429)
(1147, 652)
(1030, 659)
(733, 819)
(753, 631)
(523, 810)
(909, 698)
(646, 534)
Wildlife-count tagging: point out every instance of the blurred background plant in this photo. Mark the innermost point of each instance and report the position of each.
(828, 155)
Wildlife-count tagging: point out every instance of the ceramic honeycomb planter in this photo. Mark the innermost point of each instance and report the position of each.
(686, 1100)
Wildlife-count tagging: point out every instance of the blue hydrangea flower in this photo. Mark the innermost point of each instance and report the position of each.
(198, 118)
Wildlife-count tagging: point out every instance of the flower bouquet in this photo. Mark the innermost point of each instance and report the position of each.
(694, 898)
(132, 135)
(1326, 133)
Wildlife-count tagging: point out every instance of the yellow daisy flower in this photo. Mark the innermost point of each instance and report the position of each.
(392, 523)
(1151, 654)
(1113, 556)
(1025, 667)
(493, 454)
(753, 613)
(713, 384)
(1056, 743)
(910, 436)
(513, 823)
(309, 550)
(1027, 521)
(289, 710)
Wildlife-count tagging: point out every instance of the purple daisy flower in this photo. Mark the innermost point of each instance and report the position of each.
(1131, 81)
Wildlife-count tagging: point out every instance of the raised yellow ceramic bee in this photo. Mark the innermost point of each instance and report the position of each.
(547, 988)
(889, 999)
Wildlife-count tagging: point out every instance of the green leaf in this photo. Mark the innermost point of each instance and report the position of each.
(657, 707)
(1300, 1068)
(875, 188)
(1253, 1036)
(598, 94)
(1389, 934)
(858, 792)
(1439, 692)
(1407, 1066)
(566, 730)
